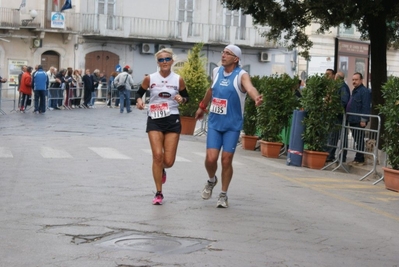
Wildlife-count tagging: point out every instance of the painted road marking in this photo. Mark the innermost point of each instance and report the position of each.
(52, 153)
(5, 153)
(108, 153)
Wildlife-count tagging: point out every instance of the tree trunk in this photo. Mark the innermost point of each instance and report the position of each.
(378, 50)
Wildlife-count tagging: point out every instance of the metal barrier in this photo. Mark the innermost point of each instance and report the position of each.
(356, 139)
(100, 94)
(9, 94)
(203, 130)
(75, 96)
(55, 94)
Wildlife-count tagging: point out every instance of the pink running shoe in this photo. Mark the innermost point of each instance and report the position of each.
(163, 176)
(157, 199)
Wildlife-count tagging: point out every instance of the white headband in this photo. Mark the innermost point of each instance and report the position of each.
(236, 51)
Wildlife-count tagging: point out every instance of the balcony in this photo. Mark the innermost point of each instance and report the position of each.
(95, 25)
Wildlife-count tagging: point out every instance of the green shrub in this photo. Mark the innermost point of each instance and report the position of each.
(194, 74)
(390, 112)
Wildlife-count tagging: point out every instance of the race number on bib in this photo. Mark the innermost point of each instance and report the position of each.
(160, 110)
(219, 106)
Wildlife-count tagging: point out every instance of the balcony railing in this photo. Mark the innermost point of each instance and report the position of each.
(139, 28)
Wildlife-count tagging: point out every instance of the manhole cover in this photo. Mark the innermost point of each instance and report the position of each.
(156, 244)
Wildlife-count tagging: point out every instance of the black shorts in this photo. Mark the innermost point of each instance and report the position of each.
(165, 125)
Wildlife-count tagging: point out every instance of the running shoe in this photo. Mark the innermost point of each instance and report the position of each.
(163, 176)
(207, 191)
(222, 201)
(157, 199)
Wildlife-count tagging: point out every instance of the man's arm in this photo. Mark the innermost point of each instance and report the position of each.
(366, 109)
(250, 89)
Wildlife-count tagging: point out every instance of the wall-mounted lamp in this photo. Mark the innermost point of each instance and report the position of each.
(33, 15)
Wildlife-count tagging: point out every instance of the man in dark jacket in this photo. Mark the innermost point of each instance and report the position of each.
(60, 84)
(358, 103)
(344, 93)
(88, 85)
(40, 83)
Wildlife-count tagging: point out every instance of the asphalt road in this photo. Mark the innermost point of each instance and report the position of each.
(76, 190)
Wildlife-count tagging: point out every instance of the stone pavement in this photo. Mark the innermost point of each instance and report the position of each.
(76, 190)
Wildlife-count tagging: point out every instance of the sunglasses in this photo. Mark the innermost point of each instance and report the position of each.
(167, 59)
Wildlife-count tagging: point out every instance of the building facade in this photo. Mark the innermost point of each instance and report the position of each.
(102, 34)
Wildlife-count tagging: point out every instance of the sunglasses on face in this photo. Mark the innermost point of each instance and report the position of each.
(167, 59)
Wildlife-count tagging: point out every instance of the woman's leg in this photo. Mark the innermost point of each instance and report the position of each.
(156, 141)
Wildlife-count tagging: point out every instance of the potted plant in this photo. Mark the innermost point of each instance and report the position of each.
(249, 138)
(274, 114)
(322, 105)
(390, 137)
(194, 74)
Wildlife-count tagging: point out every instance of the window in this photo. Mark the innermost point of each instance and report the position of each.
(237, 19)
(107, 7)
(186, 12)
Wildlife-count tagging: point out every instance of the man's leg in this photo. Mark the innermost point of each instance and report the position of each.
(36, 101)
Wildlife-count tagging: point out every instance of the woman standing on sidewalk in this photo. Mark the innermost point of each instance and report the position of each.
(167, 91)
(25, 89)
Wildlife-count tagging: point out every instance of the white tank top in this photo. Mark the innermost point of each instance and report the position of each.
(164, 90)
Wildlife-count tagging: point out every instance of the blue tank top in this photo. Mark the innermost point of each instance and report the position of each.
(227, 103)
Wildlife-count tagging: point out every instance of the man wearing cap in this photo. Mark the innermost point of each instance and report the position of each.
(226, 96)
(124, 78)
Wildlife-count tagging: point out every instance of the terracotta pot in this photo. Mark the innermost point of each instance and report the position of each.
(270, 149)
(187, 125)
(314, 159)
(248, 142)
(391, 179)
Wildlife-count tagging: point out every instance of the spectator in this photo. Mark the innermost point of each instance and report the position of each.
(77, 88)
(344, 93)
(25, 89)
(2, 80)
(51, 91)
(88, 88)
(112, 92)
(40, 82)
(359, 102)
(124, 95)
(59, 85)
(96, 82)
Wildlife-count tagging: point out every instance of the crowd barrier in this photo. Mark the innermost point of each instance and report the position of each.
(9, 94)
(101, 93)
(358, 140)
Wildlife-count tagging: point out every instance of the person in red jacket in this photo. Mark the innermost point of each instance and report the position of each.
(25, 89)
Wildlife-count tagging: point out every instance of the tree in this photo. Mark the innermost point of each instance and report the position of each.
(195, 77)
(377, 20)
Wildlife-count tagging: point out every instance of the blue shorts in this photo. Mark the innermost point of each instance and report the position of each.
(228, 139)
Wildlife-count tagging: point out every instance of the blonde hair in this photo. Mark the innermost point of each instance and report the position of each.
(166, 50)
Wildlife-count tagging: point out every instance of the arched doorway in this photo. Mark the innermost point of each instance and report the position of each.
(103, 60)
(50, 58)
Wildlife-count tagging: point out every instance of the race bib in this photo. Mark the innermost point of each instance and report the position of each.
(160, 110)
(219, 106)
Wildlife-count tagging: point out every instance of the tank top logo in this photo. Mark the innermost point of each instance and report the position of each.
(225, 82)
(164, 95)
